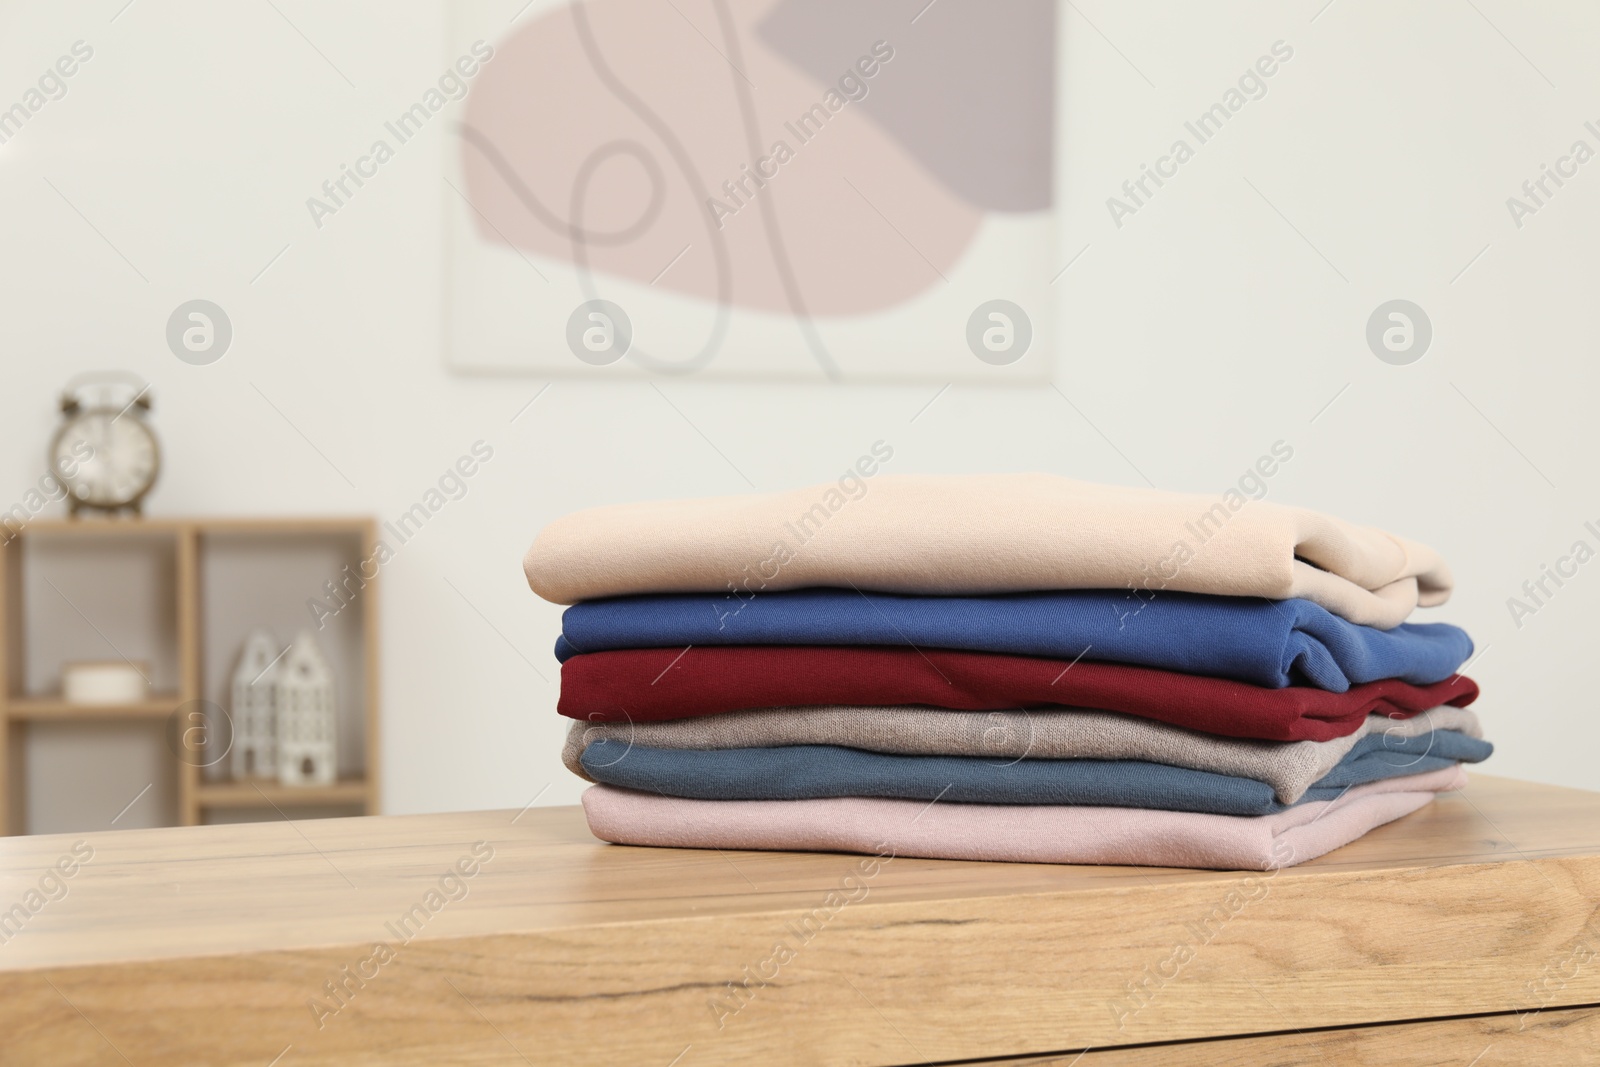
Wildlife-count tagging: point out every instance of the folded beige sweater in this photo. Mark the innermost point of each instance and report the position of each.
(1290, 767)
(978, 534)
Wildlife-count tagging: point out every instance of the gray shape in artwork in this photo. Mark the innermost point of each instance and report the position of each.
(970, 92)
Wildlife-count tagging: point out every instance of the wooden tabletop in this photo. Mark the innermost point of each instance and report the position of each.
(507, 937)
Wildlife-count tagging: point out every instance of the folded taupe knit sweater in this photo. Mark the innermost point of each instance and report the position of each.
(1005, 736)
(978, 534)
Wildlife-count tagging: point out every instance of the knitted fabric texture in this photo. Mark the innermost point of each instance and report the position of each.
(810, 772)
(1011, 833)
(1289, 767)
(665, 683)
(1264, 642)
(981, 534)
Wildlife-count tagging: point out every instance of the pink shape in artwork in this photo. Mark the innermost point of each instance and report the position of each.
(604, 133)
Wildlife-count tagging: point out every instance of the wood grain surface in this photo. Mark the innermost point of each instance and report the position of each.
(349, 941)
(1562, 1036)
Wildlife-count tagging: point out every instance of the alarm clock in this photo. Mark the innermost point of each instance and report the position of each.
(105, 453)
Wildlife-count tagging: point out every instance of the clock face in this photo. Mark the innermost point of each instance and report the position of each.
(106, 458)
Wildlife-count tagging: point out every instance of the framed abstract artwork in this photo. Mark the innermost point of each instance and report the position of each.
(753, 189)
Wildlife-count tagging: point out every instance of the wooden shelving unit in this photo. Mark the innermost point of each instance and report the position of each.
(187, 540)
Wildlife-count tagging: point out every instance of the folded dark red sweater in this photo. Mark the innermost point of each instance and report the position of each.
(671, 683)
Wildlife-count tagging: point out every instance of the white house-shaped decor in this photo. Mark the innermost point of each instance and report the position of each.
(308, 718)
(254, 710)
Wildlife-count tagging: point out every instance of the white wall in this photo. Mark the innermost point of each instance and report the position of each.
(1202, 330)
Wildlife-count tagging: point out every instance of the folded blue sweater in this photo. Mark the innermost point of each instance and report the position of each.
(1271, 643)
(807, 772)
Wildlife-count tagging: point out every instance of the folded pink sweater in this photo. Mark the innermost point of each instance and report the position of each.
(979, 534)
(1015, 834)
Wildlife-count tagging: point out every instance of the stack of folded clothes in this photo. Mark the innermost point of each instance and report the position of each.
(1010, 667)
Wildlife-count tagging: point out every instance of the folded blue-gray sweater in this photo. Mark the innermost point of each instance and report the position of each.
(806, 772)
